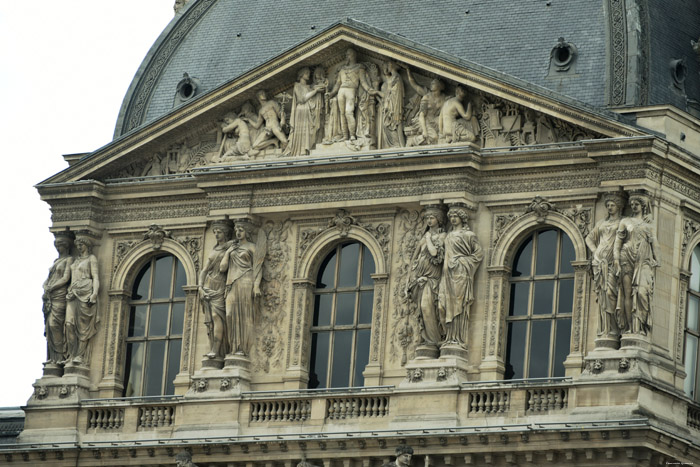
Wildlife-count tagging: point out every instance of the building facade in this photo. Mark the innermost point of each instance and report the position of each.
(320, 239)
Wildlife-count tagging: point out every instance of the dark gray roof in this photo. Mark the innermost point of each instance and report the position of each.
(217, 40)
(11, 424)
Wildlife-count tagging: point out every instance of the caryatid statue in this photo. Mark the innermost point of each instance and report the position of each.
(606, 282)
(463, 255)
(81, 308)
(424, 277)
(351, 76)
(636, 258)
(242, 262)
(404, 454)
(55, 291)
(212, 287)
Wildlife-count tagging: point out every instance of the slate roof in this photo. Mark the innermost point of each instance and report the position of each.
(218, 40)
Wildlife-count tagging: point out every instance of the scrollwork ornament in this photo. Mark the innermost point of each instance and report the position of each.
(690, 228)
(194, 247)
(581, 217)
(342, 221)
(156, 234)
(541, 207)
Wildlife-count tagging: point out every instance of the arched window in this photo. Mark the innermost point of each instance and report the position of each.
(154, 337)
(541, 301)
(342, 320)
(692, 330)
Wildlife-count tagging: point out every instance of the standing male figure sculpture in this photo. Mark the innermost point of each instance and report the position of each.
(351, 76)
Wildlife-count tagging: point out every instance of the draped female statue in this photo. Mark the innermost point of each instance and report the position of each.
(601, 242)
(463, 254)
(212, 286)
(55, 291)
(81, 309)
(424, 278)
(305, 121)
(390, 119)
(636, 258)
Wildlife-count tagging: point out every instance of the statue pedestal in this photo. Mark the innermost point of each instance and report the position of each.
(215, 382)
(635, 342)
(607, 342)
(453, 351)
(215, 363)
(445, 371)
(53, 369)
(427, 351)
(77, 370)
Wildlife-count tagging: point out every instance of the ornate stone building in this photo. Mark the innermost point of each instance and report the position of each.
(324, 231)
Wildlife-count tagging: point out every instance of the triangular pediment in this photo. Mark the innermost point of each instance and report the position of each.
(350, 89)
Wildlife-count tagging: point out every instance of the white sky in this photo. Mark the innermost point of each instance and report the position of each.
(65, 66)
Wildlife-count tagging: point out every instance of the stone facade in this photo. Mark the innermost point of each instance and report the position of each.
(442, 174)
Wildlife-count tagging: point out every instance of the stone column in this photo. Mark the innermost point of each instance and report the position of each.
(683, 285)
(493, 349)
(189, 333)
(574, 361)
(297, 374)
(373, 370)
(112, 384)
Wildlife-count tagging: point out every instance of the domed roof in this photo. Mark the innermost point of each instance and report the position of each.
(585, 50)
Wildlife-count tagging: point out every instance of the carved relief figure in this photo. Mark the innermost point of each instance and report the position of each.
(242, 264)
(236, 142)
(271, 114)
(636, 258)
(212, 286)
(424, 278)
(601, 242)
(424, 127)
(305, 120)
(463, 254)
(55, 290)
(81, 309)
(451, 129)
(390, 119)
(404, 454)
(351, 77)
(184, 459)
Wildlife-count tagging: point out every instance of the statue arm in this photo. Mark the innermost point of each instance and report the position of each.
(466, 114)
(223, 266)
(336, 87)
(95, 279)
(617, 248)
(417, 87)
(65, 278)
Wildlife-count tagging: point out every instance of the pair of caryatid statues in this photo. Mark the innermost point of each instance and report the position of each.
(625, 256)
(229, 288)
(70, 300)
(441, 278)
(349, 112)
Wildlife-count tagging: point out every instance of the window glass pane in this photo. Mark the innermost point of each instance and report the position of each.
(180, 280)
(177, 319)
(154, 368)
(137, 321)
(695, 270)
(361, 356)
(134, 369)
(691, 364)
(142, 283)
(345, 308)
(174, 348)
(539, 348)
(523, 259)
(319, 360)
(567, 255)
(693, 307)
(342, 351)
(515, 353)
(544, 298)
(322, 310)
(367, 267)
(366, 299)
(519, 298)
(349, 257)
(566, 296)
(561, 346)
(158, 321)
(163, 278)
(326, 275)
(546, 252)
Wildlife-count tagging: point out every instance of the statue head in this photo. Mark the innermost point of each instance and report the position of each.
(437, 211)
(618, 198)
(244, 229)
(261, 95)
(304, 73)
(643, 200)
(351, 56)
(247, 109)
(183, 459)
(84, 238)
(460, 93)
(460, 211)
(403, 455)
(64, 241)
(437, 85)
(224, 226)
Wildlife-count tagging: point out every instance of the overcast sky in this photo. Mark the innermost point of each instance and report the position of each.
(65, 67)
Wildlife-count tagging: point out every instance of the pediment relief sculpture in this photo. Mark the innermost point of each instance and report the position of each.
(353, 103)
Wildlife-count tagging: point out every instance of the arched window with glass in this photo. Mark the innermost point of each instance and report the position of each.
(692, 330)
(540, 309)
(342, 317)
(154, 336)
